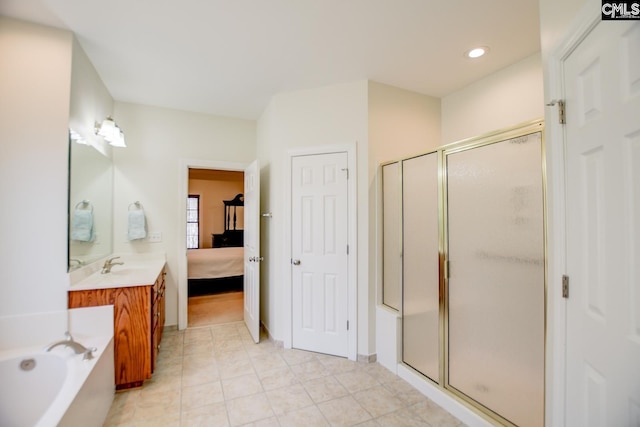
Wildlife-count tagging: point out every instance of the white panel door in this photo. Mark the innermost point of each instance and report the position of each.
(602, 88)
(319, 253)
(252, 256)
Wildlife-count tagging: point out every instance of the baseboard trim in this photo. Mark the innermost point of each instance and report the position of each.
(364, 358)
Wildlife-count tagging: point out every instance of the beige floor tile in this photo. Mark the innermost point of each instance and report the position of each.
(295, 357)
(267, 422)
(372, 423)
(216, 376)
(241, 386)
(308, 417)
(404, 391)
(378, 372)
(153, 405)
(160, 384)
(236, 368)
(309, 370)
(344, 411)
(229, 345)
(288, 399)
(434, 414)
(200, 335)
(196, 347)
(378, 401)
(356, 380)
(337, 365)
(277, 378)
(194, 376)
(206, 416)
(201, 395)
(163, 420)
(268, 362)
(249, 409)
(225, 331)
(325, 388)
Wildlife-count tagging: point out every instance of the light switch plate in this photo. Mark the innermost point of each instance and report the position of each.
(155, 237)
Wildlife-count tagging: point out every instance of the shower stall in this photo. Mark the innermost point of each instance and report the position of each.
(472, 269)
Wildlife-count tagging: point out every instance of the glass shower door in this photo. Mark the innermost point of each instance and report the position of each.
(496, 290)
(421, 275)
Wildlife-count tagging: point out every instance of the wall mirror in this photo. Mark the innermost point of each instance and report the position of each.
(90, 212)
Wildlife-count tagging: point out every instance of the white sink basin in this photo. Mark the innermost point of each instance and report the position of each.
(129, 274)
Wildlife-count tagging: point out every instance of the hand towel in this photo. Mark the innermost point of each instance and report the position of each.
(137, 226)
(82, 225)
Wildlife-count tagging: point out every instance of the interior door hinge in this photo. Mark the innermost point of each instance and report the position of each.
(565, 286)
(561, 110)
(347, 325)
(347, 249)
(347, 171)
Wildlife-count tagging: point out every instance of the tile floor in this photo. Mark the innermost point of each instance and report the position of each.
(216, 376)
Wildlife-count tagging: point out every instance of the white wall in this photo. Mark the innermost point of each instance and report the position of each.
(148, 170)
(34, 118)
(506, 98)
(329, 115)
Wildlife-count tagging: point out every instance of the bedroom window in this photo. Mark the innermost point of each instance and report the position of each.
(193, 222)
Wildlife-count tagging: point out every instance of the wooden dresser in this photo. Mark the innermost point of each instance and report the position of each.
(139, 314)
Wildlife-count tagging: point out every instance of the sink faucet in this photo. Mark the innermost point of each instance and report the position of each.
(87, 353)
(106, 268)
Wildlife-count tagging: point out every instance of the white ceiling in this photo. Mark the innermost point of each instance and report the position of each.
(229, 57)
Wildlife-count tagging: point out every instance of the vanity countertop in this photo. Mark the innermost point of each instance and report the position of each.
(136, 271)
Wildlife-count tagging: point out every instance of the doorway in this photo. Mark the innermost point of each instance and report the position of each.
(215, 231)
(183, 281)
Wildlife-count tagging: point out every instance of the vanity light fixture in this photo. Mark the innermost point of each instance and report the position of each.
(76, 137)
(476, 52)
(110, 131)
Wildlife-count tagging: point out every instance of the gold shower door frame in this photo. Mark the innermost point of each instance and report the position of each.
(443, 250)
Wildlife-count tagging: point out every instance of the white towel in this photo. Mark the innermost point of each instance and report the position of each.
(137, 226)
(82, 225)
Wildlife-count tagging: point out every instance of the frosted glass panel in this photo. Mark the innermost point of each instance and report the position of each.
(496, 284)
(391, 265)
(420, 300)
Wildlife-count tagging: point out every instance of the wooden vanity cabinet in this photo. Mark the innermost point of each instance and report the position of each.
(139, 313)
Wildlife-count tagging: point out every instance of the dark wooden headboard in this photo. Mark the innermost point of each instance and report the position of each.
(228, 206)
(232, 237)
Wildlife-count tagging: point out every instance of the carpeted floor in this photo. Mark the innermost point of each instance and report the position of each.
(214, 309)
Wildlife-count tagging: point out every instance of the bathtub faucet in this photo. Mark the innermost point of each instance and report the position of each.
(106, 268)
(87, 353)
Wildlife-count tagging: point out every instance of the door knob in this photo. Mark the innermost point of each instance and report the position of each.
(295, 262)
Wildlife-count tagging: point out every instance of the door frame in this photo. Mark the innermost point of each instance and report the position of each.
(185, 165)
(555, 365)
(352, 241)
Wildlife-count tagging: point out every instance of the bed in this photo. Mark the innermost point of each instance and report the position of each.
(215, 270)
(221, 268)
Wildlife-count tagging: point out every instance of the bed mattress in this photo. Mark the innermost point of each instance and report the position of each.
(214, 263)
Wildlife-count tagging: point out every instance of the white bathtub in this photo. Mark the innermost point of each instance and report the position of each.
(57, 388)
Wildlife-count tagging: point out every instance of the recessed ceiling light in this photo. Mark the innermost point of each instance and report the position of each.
(476, 52)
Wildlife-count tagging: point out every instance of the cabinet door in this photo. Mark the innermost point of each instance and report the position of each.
(133, 335)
